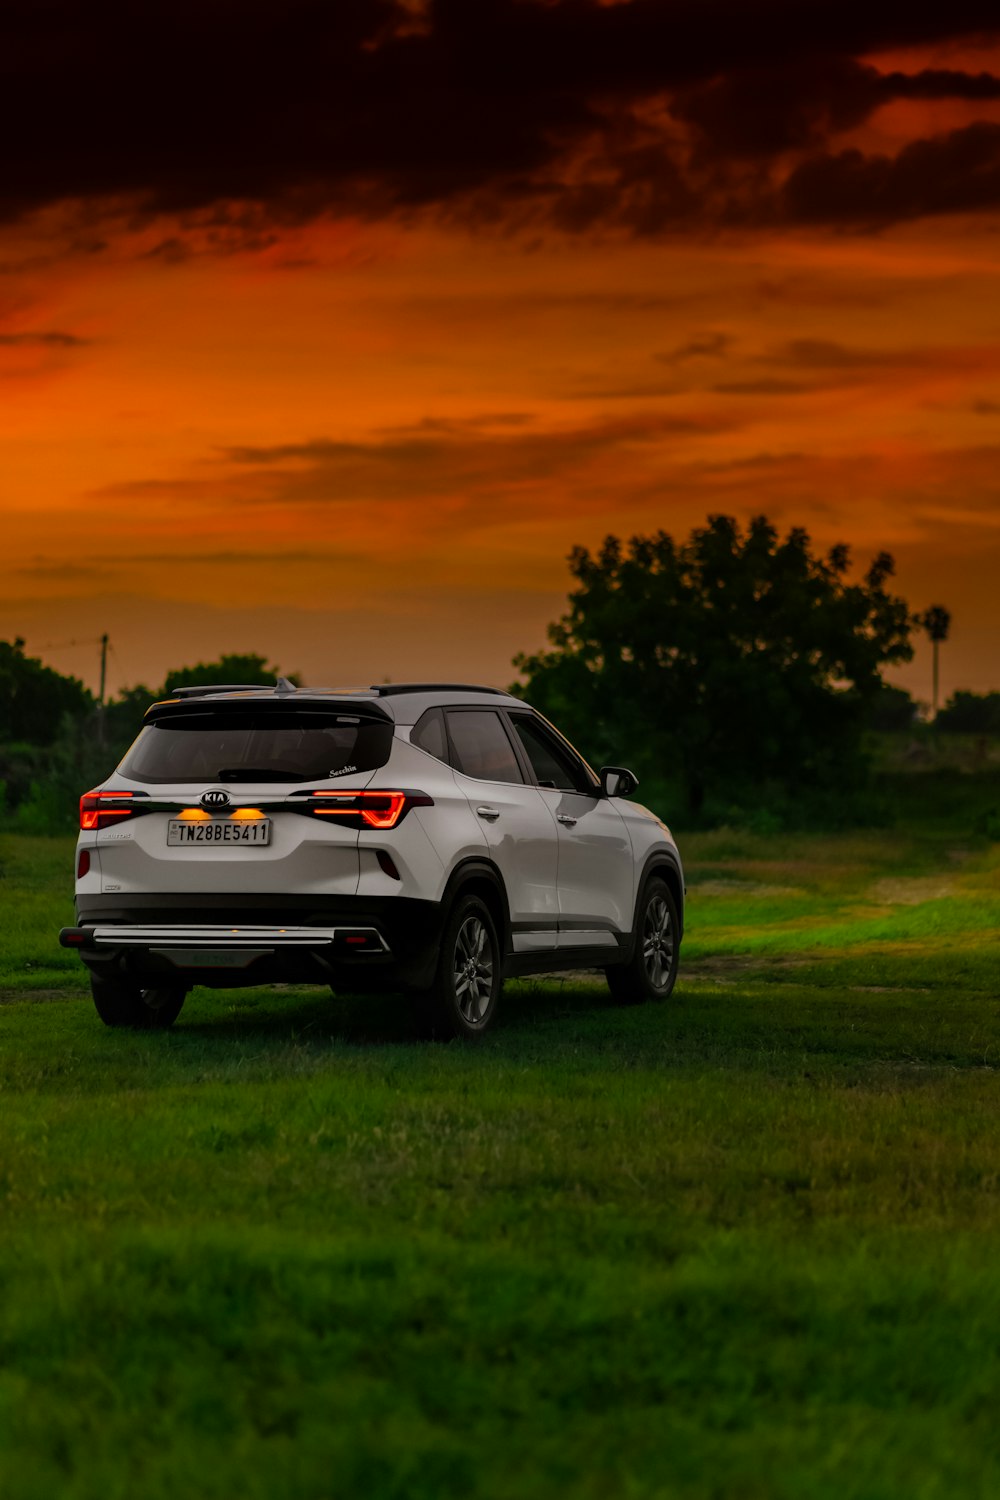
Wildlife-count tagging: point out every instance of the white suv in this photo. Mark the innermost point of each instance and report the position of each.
(424, 837)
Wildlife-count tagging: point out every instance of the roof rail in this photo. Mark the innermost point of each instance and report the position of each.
(390, 689)
(218, 687)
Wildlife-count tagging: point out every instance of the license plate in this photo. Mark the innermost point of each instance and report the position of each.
(219, 831)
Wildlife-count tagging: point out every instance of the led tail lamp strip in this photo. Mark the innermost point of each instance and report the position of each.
(381, 809)
(102, 809)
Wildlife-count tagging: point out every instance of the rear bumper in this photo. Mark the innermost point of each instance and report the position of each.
(157, 940)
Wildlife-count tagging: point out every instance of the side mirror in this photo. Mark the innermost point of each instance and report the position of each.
(616, 781)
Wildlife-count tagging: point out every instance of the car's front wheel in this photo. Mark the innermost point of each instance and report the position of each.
(462, 1002)
(121, 1004)
(651, 973)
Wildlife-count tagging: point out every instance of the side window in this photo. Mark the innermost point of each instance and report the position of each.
(429, 734)
(482, 748)
(552, 764)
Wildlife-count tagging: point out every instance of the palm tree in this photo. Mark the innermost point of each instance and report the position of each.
(937, 622)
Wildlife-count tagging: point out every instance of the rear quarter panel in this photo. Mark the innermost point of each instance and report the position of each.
(430, 842)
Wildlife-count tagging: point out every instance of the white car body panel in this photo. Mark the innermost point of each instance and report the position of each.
(523, 843)
(595, 875)
(433, 841)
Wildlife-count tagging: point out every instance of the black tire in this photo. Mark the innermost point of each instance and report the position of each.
(121, 1004)
(651, 973)
(462, 1001)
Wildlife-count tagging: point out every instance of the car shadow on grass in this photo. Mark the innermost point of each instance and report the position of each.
(315, 1015)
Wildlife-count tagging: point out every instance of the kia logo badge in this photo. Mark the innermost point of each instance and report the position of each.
(215, 799)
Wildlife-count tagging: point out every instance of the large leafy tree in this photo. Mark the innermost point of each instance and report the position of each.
(34, 698)
(971, 713)
(124, 713)
(247, 668)
(739, 658)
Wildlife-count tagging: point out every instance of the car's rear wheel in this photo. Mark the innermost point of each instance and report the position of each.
(462, 1001)
(121, 1004)
(651, 973)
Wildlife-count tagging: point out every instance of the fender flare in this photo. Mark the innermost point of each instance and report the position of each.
(477, 867)
(659, 861)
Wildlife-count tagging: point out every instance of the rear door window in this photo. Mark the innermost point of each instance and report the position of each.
(482, 746)
(237, 747)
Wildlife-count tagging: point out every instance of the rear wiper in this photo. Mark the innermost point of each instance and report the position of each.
(255, 773)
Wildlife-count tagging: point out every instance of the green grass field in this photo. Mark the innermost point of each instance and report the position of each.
(745, 1244)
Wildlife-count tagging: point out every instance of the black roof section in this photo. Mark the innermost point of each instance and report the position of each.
(390, 689)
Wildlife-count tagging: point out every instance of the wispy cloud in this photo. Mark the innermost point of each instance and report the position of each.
(48, 339)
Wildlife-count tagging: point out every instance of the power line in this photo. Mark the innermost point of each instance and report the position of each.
(62, 645)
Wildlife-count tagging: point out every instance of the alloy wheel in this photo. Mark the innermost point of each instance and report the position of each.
(657, 943)
(473, 970)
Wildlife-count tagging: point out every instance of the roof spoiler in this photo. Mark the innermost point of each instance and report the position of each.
(219, 687)
(238, 697)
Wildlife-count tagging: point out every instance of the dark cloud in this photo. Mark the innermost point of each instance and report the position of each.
(710, 345)
(458, 426)
(774, 108)
(248, 114)
(954, 173)
(810, 365)
(61, 572)
(827, 354)
(42, 568)
(764, 387)
(52, 339)
(474, 475)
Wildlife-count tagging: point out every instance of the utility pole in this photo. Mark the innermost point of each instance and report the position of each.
(100, 696)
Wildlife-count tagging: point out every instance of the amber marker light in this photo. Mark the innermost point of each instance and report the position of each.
(245, 814)
(194, 815)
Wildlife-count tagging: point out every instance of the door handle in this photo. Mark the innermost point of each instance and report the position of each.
(489, 813)
(565, 818)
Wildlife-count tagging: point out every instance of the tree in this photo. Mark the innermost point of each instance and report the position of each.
(937, 622)
(124, 713)
(248, 668)
(735, 656)
(41, 780)
(892, 710)
(971, 713)
(34, 698)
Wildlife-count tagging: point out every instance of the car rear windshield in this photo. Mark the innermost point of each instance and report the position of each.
(256, 747)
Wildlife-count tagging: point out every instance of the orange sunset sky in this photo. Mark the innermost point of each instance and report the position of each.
(327, 330)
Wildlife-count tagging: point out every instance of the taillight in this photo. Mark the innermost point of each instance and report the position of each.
(101, 809)
(374, 809)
